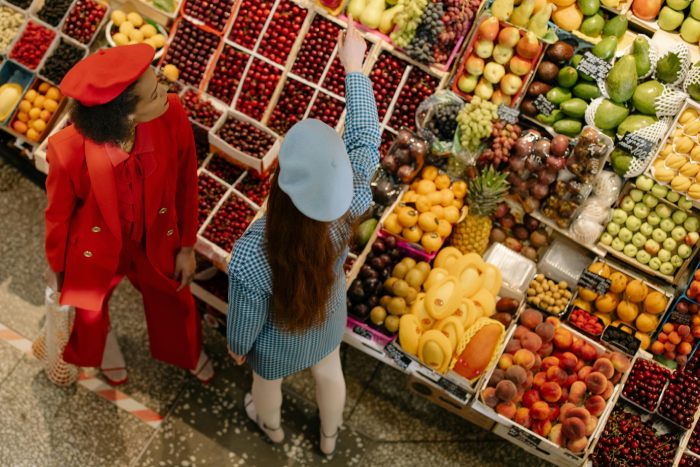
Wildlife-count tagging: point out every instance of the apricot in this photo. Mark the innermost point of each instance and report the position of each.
(522, 417)
(546, 349)
(524, 358)
(505, 361)
(520, 331)
(668, 328)
(563, 339)
(531, 341)
(620, 362)
(573, 428)
(657, 348)
(540, 410)
(683, 331)
(604, 366)
(531, 318)
(551, 391)
(489, 397)
(549, 362)
(577, 445)
(662, 337)
(595, 405)
(542, 427)
(545, 331)
(685, 348)
(590, 426)
(596, 382)
(539, 379)
(513, 346)
(608, 390)
(530, 397)
(674, 338)
(568, 361)
(516, 374)
(557, 375)
(507, 409)
(506, 390)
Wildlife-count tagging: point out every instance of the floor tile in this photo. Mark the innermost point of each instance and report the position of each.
(16, 313)
(9, 359)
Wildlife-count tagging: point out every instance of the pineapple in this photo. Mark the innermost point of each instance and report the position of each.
(486, 192)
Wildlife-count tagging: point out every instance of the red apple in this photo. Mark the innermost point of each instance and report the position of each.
(510, 84)
(519, 65)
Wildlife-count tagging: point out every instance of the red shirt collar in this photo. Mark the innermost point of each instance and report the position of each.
(143, 143)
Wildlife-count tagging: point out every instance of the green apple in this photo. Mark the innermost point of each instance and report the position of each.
(670, 19)
(685, 203)
(652, 247)
(641, 211)
(619, 216)
(484, 48)
(666, 268)
(684, 251)
(636, 195)
(664, 255)
(627, 203)
(691, 224)
(646, 229)
(502, 54)
(678, 5)
(673, 197)
(638, 240)
(644, 183)
(606, 238)
(653, 219)
(655, 263)
(679, 217)
(663, 211)
(667, 225)
(690, 30)
(643, 257)
(633, 223)
(659, 190)
(677, 261)
(659, 235)
(625, 235)
(650, 201)
(613, 228)
(467, 83)
(493, 72)
(630, 250)
(695, 9)
(618, 244)
(670, 244)
(678, 233)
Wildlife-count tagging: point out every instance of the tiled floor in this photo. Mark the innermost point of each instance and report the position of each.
(43, 425)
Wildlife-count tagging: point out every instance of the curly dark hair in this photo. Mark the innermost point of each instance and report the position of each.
(106, 123)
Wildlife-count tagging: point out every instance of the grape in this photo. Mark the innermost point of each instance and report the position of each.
(457, 18)
(407, 21)
(430, 28)
(443, 122)
(503, 137)
(475, 121)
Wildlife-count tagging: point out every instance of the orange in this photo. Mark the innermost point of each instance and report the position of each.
(407, 217)
(25, 106)
(428, 221)
(627, 311)
(442, 181)
(425, 187)
(429, 173)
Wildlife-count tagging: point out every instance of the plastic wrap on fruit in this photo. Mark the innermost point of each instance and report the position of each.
(436, 116)
(384, 191)
(607, 187)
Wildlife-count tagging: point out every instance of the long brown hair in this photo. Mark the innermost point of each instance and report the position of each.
(302, 256)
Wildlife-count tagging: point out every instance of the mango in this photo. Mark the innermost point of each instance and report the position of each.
(622, 80)
(609, 115)
(567, 77)
(557, 95)
(593, 25)
(589, 7)
(555, 116)
(606, 48)
(635, 122)
(574, 107)
(644, 97)
(568, 127)
(586, 91)
(640, 52)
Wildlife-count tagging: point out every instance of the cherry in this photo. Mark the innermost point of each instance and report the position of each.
(282, 32)
(255, 188)
(645, 383)
(259, 84)
(84, 19)
(225, 170)
(190, 51)
(681, 399)
(327, 109)
(246, 138)
(214, 13)
(210, 192)
(227, 73)
(200, 110)
(229, 222)
(386, 76)
(291, 106)
(419, 86)
(316, 49)
(250, 21)
(32, 45)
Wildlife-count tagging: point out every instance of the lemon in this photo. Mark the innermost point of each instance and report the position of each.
(118, 17)
(120, 39)
(148, 30)
(53, 93)
(136, 35)
(135, 19)
(126, 28)
(171, 72)
(158, 40)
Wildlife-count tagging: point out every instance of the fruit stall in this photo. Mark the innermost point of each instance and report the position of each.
(530, 259)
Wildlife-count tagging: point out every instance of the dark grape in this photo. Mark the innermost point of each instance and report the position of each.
(430, 28)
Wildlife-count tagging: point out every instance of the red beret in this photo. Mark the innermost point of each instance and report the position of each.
(104, 75)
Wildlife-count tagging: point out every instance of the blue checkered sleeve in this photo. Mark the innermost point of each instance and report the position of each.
(247, 314)
(361, 138)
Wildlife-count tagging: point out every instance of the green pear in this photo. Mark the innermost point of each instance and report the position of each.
(670, 19)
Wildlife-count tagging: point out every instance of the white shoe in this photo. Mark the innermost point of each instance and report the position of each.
(327, 444)
(276, 435)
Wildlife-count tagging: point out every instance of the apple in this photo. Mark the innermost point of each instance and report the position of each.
(627, 203)
(678, 233)
(467, 83)
(653, 219)
(613, 228)
(664, 255)
(493, 72)
(692, 238)
(673, 197)
(633, 223)
(619, 216)
(484, 89)
(638, 240)
(679, 217)
(630, 250)
(625, 235)
(652, 247)
(618, 244)
(510, 84)
(641, 210)
(502, 54)
(678, 5)
(669, 19)
(655, 264)
(488, 29)
(677, 261)
(684, 251)
(606, 238)
(670, 244)
(509, 37)
(646, 229)
(666, 268)
(484, 48)
(659, 235)
(643, 257)
(636, 195)
(644, 183)
(520, 66)
(650, 201)
(690, 30)
(685, 204)
(663, 211)
(667, 225)
(691, 224)
(474, 65)
(499, 98)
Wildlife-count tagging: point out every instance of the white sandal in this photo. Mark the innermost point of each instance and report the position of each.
(328, 443)
(276, 435)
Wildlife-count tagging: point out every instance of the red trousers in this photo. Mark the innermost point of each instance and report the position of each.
(173, 321)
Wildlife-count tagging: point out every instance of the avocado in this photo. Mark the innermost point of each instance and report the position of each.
(668, 67)
(644, 97)
(606, 48)
(615, 26)
(588, 7)
(586, 91)
(635, 122)
(555, 116)
(640, 52)
(568, 127)
(622, 79)
(575, 107)
(567, 77)
(609, 115)
(557, 95)
(593, 25)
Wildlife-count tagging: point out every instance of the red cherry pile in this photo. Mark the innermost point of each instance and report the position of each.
(227, 74)
(229, 223)
(586, 321)
(419, 86)
(327, 109)
(224, 169)
(213, 13)
(259, 84)
(282, 32)
(335, 78)
(250, 21)
(32, 45)
(201, 143)
(386, 76)
(84, 19)
(645, 384)
(291, 106)
(246, 138)
(689, 461)
(254, 188)
(681, 399)
(210, 192)
(628, 440)
(200, 110)
(190, 51)
(694, 441)
(316, 49)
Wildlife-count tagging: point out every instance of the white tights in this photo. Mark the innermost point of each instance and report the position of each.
(330, 395)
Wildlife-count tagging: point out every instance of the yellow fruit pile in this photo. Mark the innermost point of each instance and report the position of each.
(547, 295)
(678, 162)
(131, 29)
(458, 291)
(628, 300)
(428, 210)
(35, 111)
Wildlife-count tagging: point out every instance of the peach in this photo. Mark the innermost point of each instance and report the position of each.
(539, 379)
(577, 346)
(555, 435)
(620, 362)
(513, 346)
(545, 331)
(524, 358)
(573, 428)
(507, 409)
(551, 391)
(518, 396)
(554, 321)
(564, 410)
(505, 362)
(588, 353)
(506, 390)
(669, 347)
(590, 425)
(538, 361)
(530, 397)
(531, 341)
(578, 412)
(496, 377)
(542, 427)
(568, 361)
(583, 372)
(522, 417)
(540, 410)
(596, 382)
(531, 318)
(577, 392)
(674, 338)
(617, 378)
(489, 397)
(517, 374)
(549, 362)
(573, 377)
(546, 349)
(563, 339)
(608, 390)
(684, 348)
(554, 413)
(595, 405)
(577, 445)
(557, 375)
(528, 381)
(520, 331)
(580, 364)
(604, 366)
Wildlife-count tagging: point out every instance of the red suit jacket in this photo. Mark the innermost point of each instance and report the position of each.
(83, 230)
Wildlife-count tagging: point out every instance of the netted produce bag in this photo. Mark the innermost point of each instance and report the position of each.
(585, 230)
(655, 133)
(692, 80)
(672, 66)
(592, 108)
(436, 120)
(606, 189)
(669, 103)
(48, 347)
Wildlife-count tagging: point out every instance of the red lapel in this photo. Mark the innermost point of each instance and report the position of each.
(105, 188)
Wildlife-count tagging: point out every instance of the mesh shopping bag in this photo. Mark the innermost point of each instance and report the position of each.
(48, 347)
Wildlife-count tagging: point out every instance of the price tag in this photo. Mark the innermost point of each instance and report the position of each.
(595, 67)
(362, 332)
(597, 283)
(397, 356)
(523, 436)
(636, 145)
(544, 105)
(426, 372)
(454, 390)
(681, 318)
(508, 114)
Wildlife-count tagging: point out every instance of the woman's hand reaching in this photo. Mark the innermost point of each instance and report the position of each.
(351, 48)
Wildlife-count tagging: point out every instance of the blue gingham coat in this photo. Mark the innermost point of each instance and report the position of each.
(272, 352)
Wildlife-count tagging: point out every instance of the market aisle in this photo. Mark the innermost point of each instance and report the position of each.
(42, 425)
